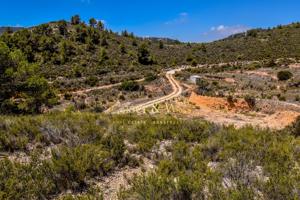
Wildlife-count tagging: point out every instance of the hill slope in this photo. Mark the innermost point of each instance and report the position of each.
(75, 50)
(12, 29)
(257, 44)
(62, 48)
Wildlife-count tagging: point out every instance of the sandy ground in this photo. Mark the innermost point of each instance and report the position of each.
(217, 110)
(229, 80)
(262, 74)
(111, 184)
(296, 66)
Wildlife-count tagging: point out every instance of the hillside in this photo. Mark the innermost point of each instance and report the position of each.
(31, 59)
(256, 44)
(62, 47)
(63, 56)
(9, 29)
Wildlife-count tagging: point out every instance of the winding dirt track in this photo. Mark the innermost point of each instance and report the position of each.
(102, 87)
(177, 90)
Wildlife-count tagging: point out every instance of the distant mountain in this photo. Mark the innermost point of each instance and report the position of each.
(165, 40)
(13, 29)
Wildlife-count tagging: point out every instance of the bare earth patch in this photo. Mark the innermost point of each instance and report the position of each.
(218, 110)
(262, 74)
(217, 103)
(229, 80)
(295, 66)
(111, 184)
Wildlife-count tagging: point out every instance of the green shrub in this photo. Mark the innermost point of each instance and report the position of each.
(151, 77)
(144, 55)
(231, 101)
(251, 101)
(189, 58)
(203, 86)
(130, 86)
(98, 108)
(91, 81)
(284, 75)
(115, 144)
(282, 98)
(19, 181)
(296, 127)
(68, 96)
(194, 63)
(71, 166)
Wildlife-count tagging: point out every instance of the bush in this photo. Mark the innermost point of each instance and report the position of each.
(189, 58)
(130, 86)
(284, 75)
(68, 96)
(98, 108)
(282, 98)
(115, 144)
(151, 77)
(144, 55)
(71, 166)
(203, 86)
(91, 81)
(231, 100)
(251, 101)
(194, 63)
(296, 127)
(19, 181)
(161, 44)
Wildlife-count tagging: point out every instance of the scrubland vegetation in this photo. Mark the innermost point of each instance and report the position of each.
(66, 151)
(265, 79)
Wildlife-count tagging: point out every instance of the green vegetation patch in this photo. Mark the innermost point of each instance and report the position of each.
(201, 160)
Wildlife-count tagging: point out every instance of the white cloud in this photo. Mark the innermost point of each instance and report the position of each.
(218, 28)
(180, 19)
(221, 28)
(228, 30)
(223, 31)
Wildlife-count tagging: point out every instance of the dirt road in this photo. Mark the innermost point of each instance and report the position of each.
(177, 90)
(103, 87)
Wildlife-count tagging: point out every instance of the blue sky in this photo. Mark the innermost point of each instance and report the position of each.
(186, 20)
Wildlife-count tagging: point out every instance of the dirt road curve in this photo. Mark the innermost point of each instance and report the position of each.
(177, 90)
(102, 87)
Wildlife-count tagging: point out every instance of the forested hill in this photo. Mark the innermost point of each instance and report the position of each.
(66, 47)
(63, 48)
(256, 44)
(31, 58)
